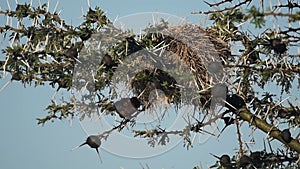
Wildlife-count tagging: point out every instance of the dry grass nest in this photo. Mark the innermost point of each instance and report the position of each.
(194, 47)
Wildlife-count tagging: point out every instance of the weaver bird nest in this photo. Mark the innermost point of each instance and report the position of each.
(179, 63)
(199, 53)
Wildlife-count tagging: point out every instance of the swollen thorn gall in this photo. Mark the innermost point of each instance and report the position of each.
(234, 102)
(225, 160)
(93, 141)
(286, 135)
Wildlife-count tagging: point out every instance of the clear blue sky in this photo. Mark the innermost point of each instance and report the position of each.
(24, 144)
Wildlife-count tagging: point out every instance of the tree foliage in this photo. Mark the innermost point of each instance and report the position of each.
(44, 50)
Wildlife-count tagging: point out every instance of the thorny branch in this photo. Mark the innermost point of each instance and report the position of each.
(51, 49)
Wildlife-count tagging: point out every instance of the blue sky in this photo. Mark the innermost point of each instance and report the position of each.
(24, 144)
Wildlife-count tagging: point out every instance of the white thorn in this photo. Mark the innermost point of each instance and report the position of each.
(76, 147)
(8, 5)
(58, 13)
(153, 19)
(6, 84)
(99, 154)
(89, 3)
(48, 6)
(54, 95)
(71, 122)
(115, 20)
(82, 11)
(56, 6)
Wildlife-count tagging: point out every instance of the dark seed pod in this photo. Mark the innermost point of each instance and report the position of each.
(244, 161)
(257, 155)
(228, 120)
(16, 77)
(225, 160)
(126, 107)
(278, 46)
(107, 61)
(257, 158)
(282, 113)
(135, 102)
(71, 53)
(286, 135)
(234, 102)
(93, 141)
(85, 36)
(253, 57)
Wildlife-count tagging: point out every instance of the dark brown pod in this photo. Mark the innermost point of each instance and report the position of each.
(16, 77)
(286, 135)
(85, 36)
(225, 160)
(278, 46)
(253, 57)
(71, 53)
(257, 158)
(282, 113)
(127, 106)
(244, 161)
(228, 120)
(107, 61)
(135, 102)
(93, 141)
(234, 102)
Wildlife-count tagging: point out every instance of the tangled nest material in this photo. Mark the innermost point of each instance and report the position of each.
(201, 52)
(180, 68)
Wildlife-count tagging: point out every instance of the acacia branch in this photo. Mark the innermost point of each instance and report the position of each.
(225, 9)
(267, 128)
